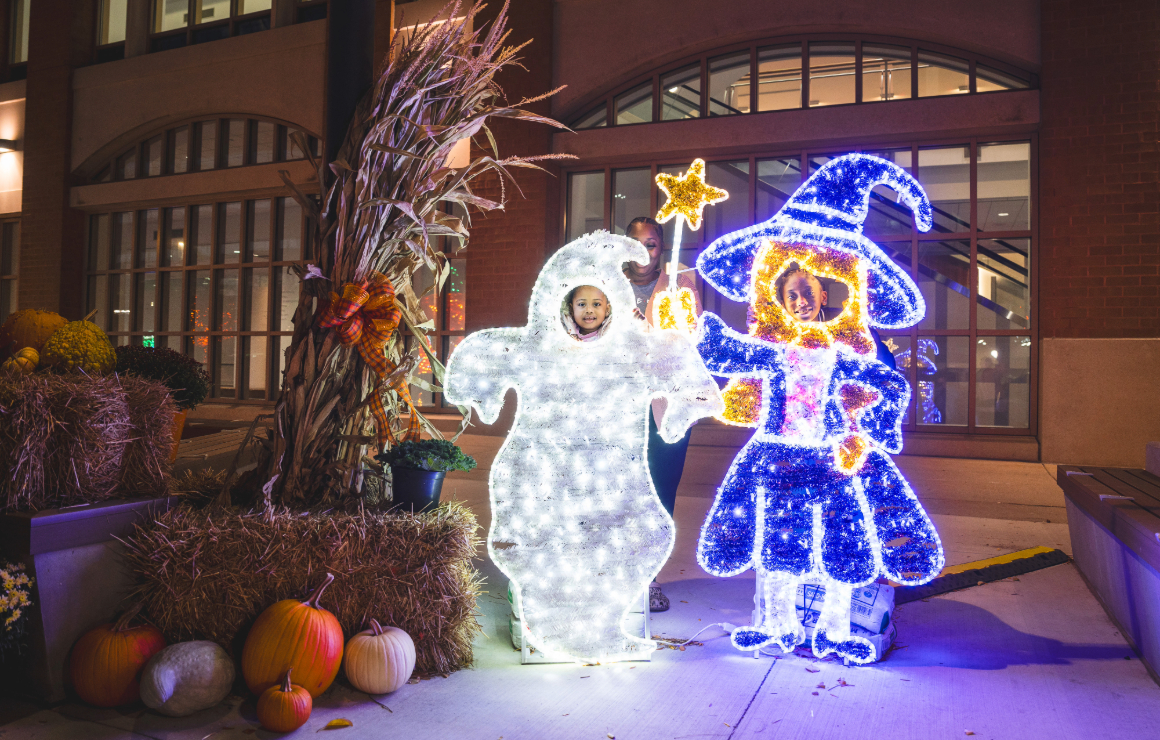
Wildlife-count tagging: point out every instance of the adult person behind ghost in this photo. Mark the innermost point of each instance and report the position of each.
(666, 461)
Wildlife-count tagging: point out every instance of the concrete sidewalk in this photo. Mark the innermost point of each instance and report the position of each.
(1033, 657)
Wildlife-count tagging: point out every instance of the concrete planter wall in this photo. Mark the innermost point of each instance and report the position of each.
(80, 581)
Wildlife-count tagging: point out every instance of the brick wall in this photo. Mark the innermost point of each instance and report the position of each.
(507, 248)
(1099, 171)
(61, 38)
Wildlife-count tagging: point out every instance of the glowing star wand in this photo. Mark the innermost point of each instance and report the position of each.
(688, 195)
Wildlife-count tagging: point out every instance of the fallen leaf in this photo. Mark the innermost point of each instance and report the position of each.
(611, 737)
(684, 602)
(842, 682)
(727, 725)
(821, 686)
(813, 670)
(904, 679)
(814, 693)
(338, 724)
(586, 677)
(968, 732)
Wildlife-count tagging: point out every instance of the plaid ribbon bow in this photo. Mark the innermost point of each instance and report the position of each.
(366, 316)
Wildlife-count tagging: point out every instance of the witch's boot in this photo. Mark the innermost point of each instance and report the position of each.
(779, 623)
(832, 633)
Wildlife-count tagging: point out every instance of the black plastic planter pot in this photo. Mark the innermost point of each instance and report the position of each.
(416, 490)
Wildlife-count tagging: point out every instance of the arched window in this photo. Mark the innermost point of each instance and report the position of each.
(810, 72)
(971, 361)
(208, 144)
(208, 276)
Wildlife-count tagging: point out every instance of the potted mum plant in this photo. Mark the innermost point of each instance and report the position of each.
(186, 378)
(418, 468)
(15, 601)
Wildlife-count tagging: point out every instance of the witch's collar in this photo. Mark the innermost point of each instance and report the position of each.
(774, 323)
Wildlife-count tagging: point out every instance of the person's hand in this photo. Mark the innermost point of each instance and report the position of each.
(638, 315)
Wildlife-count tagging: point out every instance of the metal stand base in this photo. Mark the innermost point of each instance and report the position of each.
(637, 624)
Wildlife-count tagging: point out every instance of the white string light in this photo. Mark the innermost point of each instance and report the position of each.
(576, 523)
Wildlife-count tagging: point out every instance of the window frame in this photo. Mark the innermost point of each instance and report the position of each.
(12, 278)
(282, 132)
(694, 242)
(217, 269)
(234, 25)
(589, 105)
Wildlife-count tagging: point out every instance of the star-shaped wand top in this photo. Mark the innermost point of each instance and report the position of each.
(688, 195)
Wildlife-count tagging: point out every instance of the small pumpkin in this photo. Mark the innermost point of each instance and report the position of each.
(298, 635)
(23, 362)
(106, 662)
(379, 660)
(29, 328)
(284, 708)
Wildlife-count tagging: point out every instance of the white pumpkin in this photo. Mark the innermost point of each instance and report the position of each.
(187, 677)
(379, 660)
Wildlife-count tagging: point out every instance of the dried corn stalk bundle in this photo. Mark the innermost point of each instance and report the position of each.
(386, 197)
(206, 574)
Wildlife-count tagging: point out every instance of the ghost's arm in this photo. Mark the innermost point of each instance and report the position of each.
(481, 369)
(681, 378)
(730, 354)
(881, 421)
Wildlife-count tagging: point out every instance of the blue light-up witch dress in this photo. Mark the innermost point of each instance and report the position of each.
(814, 495)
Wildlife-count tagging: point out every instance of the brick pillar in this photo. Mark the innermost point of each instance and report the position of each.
(61, 38)
(1099, 170)
(507, 248)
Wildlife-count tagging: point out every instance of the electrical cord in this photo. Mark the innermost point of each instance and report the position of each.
(723, 625)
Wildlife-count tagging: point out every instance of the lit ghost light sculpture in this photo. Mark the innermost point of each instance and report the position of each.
(814, 495)
(576, 524)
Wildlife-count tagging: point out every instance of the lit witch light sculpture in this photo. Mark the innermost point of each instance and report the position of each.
(576, 524)
(814, 496)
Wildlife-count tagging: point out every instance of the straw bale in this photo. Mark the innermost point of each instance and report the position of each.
(146, 467)
(70, 438)
(206, 574)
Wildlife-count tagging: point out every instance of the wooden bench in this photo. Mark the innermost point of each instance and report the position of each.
(1114, 518)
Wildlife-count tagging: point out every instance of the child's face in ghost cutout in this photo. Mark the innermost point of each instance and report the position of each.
(803, 296)
(589, 308)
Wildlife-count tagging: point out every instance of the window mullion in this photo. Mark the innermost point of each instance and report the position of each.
(858, 71)
(753, 86)
(805, 81)
(973, 276)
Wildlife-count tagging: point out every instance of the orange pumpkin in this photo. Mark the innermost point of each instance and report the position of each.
(28, 328)
(106, 662)
(284, 708)
(298, 635)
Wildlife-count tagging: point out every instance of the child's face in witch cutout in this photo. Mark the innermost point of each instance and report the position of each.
(589, 308)
(803, 296)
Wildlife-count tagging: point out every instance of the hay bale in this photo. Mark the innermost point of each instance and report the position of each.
(206, 574)
(69, 438)
(145, 468)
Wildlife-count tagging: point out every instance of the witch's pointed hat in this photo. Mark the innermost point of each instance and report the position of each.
(829, 210)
